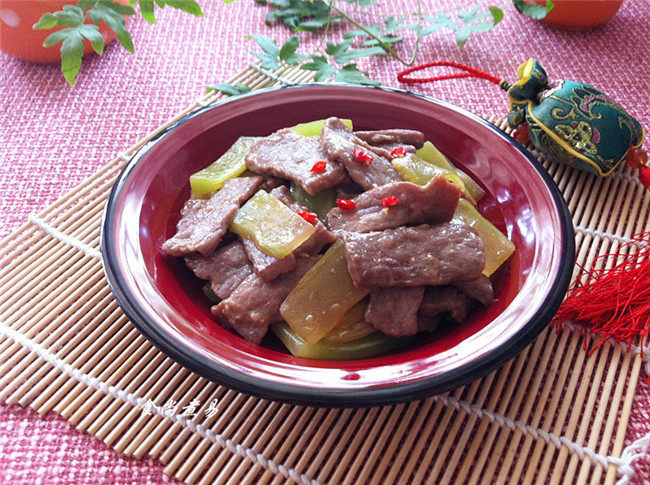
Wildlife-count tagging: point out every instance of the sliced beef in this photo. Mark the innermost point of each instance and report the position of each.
(255, 304)
(428, 324)
(289, 155)
(434, 202)
(392, 137)
(321, 237)
(389, 147)
(480, 289)
(424, 255)
(442, 299)
(267, 267)
(204, 223)
(226, 268)
(338, 143)
(394, 311)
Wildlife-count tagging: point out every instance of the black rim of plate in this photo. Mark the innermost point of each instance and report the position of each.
(337, 397)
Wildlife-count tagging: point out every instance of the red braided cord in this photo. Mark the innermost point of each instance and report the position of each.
(469, 72)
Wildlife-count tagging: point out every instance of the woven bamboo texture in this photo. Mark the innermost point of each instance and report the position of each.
(555, 413)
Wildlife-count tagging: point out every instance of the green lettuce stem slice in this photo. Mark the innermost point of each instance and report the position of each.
(230, 164)
(319, 300)
(272, 226)
(313, 128)
(374, 344)
(498, 248)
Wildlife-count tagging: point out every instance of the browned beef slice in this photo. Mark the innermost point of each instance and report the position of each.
(203, 224)
(441, 299)
(434, 202)
(389, 147)
(480, 289)
(394, 311)
(394, 137)
(267, 267)
(339, 143)
(414, 256)
(320, 238)
(255, 304)
(226, 268)
(428, 324)
(290, 155)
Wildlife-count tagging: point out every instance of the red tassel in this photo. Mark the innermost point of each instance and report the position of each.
(466, 71)
(614, 302)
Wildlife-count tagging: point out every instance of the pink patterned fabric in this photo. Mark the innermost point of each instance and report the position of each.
(51, 137)
(48, 450)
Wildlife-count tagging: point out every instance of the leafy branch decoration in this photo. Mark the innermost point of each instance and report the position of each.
(338, 61)
(81, 23)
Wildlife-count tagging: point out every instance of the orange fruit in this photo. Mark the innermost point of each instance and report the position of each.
(19, 39)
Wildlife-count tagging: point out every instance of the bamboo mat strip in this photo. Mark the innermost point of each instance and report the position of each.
(554, 413)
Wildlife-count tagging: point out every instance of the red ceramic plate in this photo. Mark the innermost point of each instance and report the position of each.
(164, 300)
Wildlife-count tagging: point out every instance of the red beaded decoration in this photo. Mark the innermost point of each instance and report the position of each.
(522, 134)
(638, 159)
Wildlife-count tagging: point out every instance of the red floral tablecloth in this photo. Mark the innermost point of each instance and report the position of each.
(51, 137)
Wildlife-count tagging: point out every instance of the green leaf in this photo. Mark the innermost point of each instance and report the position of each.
(374, 29)
(47, 21)
(464, 32)
(86, 4)
(91, 32)
(497, 14)
(114, 21)
(56, 37)
(147, 10)
(288, 51)
(472, 15)
(118, 7)
(342, 55)
(533, 10)
(437, 23)
(70, 16)
(353, 54)
(362, 3)
(271, 56)
(160, 3)
(72, 49)
(311, 25)
(384, 39)
(323, 69)
(338, 49)
(188, 6)
(267, 44)
(229, 89)
(351, 74)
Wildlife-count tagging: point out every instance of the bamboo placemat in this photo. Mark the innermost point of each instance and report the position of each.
(553, 414)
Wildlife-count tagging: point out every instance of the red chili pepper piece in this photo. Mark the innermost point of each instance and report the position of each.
(362, 156)
(389, 201)
(319, 167)
(398, 152)
(346, 205)
(308, 216)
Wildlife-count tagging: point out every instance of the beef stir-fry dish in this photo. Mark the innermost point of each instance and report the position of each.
(342, 242)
